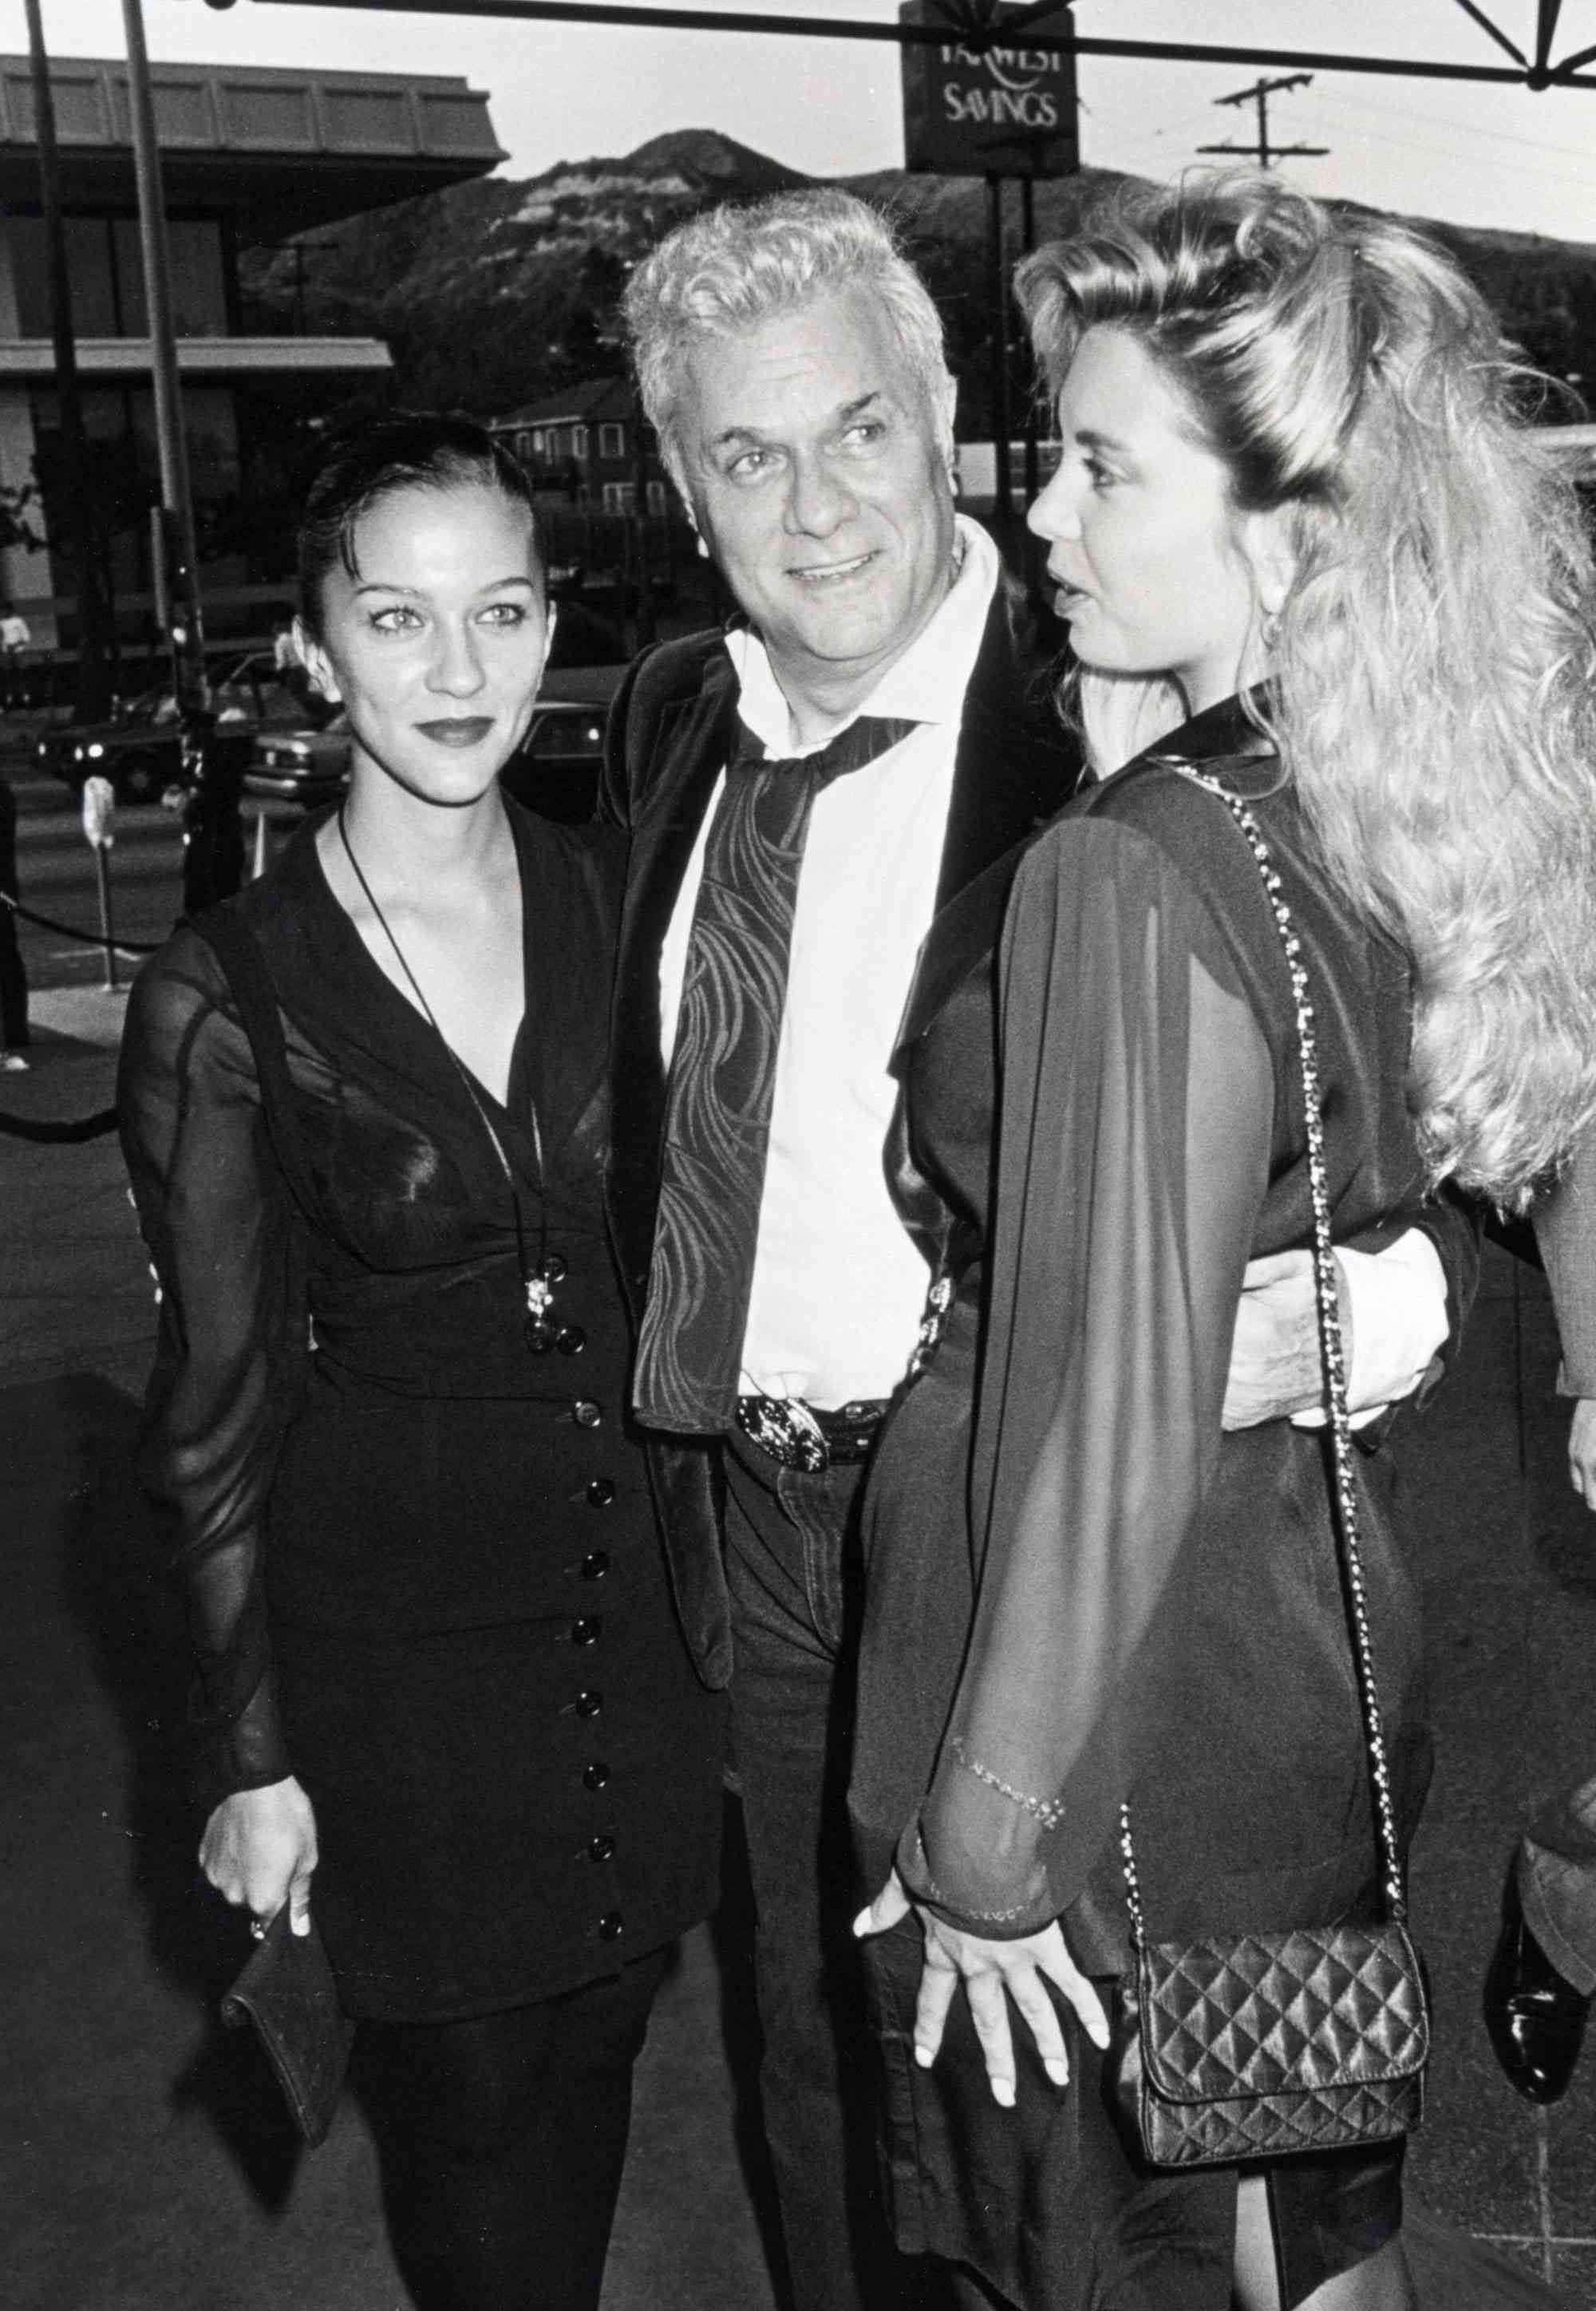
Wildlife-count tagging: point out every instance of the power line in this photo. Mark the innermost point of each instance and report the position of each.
(1262, 151)
(1485, 160)
(1421, 119)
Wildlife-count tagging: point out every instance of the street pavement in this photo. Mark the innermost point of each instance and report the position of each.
(145, 2165)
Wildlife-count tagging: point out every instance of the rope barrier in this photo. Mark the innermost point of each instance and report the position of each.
(70, 930)
(57, 1133)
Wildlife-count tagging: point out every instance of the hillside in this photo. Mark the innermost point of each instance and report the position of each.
(496, 293)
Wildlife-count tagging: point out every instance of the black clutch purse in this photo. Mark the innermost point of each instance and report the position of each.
(1313, 2038)
(287, 1991)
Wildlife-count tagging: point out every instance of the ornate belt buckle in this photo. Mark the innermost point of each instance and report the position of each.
(785, 1427)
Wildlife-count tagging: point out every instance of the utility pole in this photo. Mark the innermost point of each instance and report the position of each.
(93, 698)
(1259, 93)
(296, 251)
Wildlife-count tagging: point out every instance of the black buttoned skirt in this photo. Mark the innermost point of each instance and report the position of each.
(515, 1771)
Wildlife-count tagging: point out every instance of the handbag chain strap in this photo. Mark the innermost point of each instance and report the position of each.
(1335, 1365)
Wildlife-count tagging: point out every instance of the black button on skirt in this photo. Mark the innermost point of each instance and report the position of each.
(479, 1832)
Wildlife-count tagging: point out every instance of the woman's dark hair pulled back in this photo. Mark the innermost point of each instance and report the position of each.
(402, 449)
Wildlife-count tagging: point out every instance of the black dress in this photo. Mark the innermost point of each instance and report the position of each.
(1077, 1589)
(422, 1565)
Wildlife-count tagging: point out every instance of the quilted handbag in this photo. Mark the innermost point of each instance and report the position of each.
(1313, 2038)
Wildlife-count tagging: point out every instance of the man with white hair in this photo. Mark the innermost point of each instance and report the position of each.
(826, 804)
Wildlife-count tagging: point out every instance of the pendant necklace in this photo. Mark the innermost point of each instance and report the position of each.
(537, 1277)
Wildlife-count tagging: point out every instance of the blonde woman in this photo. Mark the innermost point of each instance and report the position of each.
(1308, 554)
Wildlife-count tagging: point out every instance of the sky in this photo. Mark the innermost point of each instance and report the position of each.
(1486, 156)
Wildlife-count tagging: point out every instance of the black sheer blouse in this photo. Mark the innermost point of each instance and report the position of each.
(1157, 1603)
(402, 1282)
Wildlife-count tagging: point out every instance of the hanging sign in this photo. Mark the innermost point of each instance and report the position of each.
(998, 111)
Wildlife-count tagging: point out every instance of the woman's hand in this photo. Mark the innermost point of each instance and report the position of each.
(987, 1970)
(259, 1849)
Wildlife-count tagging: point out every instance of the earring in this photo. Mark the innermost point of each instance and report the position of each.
(1268, 629)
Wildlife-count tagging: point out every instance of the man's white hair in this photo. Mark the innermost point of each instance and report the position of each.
(733, 267)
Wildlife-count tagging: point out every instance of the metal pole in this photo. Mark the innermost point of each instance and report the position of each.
(103, 872)
(611, 14)
(170, 441)
(1027, 243)
(92, 700)
(213, 833)
(996, 257)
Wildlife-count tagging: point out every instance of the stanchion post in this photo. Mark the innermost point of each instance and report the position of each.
(99, 804)
(102, 872)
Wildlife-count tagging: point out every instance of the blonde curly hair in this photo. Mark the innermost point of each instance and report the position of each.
(1434, 679)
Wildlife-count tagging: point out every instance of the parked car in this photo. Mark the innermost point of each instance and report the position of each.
(555, 770)
(298, 761)
(140, 748)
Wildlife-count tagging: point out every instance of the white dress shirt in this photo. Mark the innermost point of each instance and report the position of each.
(838, 1287)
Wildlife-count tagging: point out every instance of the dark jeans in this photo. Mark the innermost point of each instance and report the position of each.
(502, 2141)
(1557, 1876)
(791, 1563)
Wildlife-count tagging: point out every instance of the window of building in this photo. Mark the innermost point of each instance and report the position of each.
(579, 442)
(537, 440)
(657, 497)
(89, 269)
(619, 497)
(198, 297)
(105, 267)
(612, 441)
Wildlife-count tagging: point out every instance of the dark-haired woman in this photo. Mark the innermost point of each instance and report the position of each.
(440, 1696)
(1310, 562)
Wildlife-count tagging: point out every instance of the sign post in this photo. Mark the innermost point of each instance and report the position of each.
(976, 106)
(1002, 422)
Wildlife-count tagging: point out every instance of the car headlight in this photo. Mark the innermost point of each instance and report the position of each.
(95, 751)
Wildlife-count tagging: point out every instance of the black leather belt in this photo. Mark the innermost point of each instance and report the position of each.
(801, 1437)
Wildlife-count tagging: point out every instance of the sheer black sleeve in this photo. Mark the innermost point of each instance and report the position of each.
(227, 1255)
(1136, 1109)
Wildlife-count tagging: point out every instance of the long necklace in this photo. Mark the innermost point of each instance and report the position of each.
(537, 1277)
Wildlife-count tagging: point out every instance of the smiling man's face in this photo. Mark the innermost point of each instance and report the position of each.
(820, 486)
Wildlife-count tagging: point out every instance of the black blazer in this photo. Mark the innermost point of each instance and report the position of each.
(671, 732)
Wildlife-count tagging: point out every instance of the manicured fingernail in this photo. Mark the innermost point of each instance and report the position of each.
(922, 2056)
(1058, 2072)
(1002, 2092)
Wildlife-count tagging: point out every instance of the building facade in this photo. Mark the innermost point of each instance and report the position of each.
(581, 448)
(248, 157)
